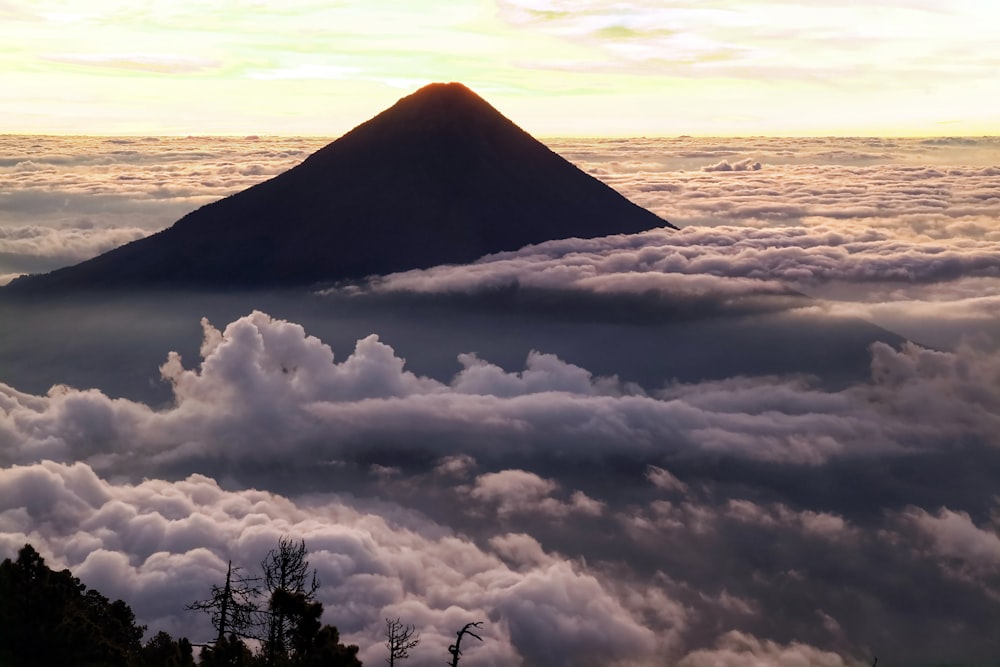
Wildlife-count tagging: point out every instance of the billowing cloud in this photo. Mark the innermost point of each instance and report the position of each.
(163, 545)
(717, 260)
(746, 164)
(263, 378)
(964, 549)
(662, 479)
(487, 452)
(518, 491)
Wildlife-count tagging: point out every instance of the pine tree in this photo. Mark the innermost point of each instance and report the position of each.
(50, 618)
(285, 572)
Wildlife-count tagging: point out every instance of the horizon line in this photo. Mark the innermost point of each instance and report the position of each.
(280, 135)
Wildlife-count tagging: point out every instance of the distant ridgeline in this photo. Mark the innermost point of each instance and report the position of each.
(441, 177)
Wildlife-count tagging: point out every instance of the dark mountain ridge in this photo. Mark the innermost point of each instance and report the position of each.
(439, 177)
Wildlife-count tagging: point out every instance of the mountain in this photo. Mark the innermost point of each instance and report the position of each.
(439, 177)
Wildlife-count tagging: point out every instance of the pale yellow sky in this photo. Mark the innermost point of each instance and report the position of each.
(556, 67)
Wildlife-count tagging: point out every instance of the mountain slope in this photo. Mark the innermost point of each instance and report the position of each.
(439, 177)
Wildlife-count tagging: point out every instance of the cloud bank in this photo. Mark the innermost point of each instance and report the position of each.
(892, 230)
(572, 512)
(266, 379)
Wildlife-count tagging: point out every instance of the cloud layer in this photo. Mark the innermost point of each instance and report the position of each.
(66, 199)
(879, 228)
(266, 379)
(572, 512)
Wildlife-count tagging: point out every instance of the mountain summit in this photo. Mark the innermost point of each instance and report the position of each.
(439, 177)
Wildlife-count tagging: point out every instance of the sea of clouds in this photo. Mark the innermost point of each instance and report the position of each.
(588, 514)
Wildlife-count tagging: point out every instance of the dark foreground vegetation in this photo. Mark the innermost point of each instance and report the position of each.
(50, 618)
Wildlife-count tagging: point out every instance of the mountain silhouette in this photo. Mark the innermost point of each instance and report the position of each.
(440, 177)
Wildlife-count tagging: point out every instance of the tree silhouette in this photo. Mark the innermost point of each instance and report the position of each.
(230, 651)
(233, 606)
(310, 643)
(50, 618)
(399, 639)
(105, 631)
(301, 617)
(285, 570)
(327, 651)
(455, 649)
(162, 651)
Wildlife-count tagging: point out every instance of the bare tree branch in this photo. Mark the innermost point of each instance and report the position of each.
(399, 640)
(233, 607)
(455, 649)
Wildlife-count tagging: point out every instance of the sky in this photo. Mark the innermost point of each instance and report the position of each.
(558, 67)
(768, 437)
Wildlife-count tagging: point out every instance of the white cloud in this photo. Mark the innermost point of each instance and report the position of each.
(522, 492)
(963, 547)
(712, 261)
(60, 247)
(736, 649)
(746, 164)
(662, 479)
(266, 381)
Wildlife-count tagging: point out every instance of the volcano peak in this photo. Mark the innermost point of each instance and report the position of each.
(440, 177)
